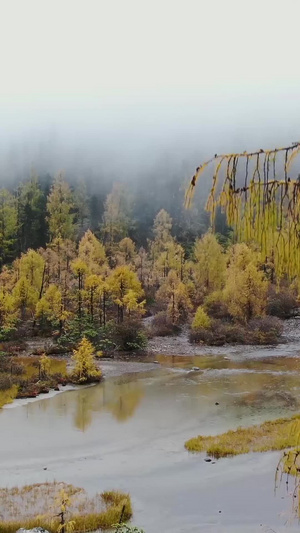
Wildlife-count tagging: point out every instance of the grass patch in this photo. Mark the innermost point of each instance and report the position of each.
(38, 506)
(274, 435)
(8, 395)
(21, 377)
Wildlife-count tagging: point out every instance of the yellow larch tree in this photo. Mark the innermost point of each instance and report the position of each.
(92, 252)
(59, 207)
(246, 287)
(209, 266)
(120, 282)
(85, 368)
(174, 296)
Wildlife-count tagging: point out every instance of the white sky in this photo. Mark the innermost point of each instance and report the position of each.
(56, 49)
(147, 64)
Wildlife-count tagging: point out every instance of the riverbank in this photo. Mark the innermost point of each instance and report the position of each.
(128, 432)
(180, 344)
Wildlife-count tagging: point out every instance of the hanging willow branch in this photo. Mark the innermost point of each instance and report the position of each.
(261, 200)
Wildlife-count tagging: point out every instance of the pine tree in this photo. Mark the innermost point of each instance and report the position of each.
(31, 207)
(8, 226)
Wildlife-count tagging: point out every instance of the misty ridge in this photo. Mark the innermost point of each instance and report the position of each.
(152, 150)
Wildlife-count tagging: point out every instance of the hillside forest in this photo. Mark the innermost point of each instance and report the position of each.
(77, 265)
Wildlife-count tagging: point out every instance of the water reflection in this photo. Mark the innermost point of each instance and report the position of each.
(120, 398)
(129, 432)
(222, 362)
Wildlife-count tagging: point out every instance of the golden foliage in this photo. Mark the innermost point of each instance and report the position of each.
(201, 320)
(260, 194)
(85, 365)
(275, 435)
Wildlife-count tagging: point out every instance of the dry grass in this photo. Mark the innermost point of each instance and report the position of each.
(37, 505)
(31, 366)
(8, 395)
(20, 377)
(275, 435)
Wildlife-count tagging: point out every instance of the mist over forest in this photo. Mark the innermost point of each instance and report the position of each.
(141, 95)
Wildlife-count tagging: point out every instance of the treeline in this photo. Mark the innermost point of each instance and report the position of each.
(41, 207)
(59, 276)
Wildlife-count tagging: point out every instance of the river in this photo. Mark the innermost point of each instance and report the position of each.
(128, 433)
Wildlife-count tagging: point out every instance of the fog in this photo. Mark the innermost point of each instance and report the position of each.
(120, 90)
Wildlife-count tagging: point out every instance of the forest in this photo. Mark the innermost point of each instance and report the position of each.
(77, 265)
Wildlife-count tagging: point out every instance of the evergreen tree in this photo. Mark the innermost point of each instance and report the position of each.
(8, 226)
(31, 208)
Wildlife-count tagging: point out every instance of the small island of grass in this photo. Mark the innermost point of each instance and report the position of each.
(273, 435)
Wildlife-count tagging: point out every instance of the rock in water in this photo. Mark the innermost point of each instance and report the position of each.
(34, 530)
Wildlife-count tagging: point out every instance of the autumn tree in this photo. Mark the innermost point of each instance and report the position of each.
(246, 287)
(81, 207)
(79, 268)
(92, 252)
(59, 207)
(210, 264)
(126, 291)
(8, 309)
(85, 368)
(125, 252)
(201, 319)
(117, 215)
(162, 227)
(50, 307)
(45, 366)
(28, 289)
(97, 291)
(174, 296)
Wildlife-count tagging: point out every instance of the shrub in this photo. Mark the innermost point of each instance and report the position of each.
(207, 336)
(129, 335)
(162, 325)
(263, 331)
(215, 306)
(201, 320)
(282, 304)
(76, 329)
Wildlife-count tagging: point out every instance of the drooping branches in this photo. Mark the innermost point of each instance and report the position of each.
(260, 194)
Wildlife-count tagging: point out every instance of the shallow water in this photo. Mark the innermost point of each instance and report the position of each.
(128, 433)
